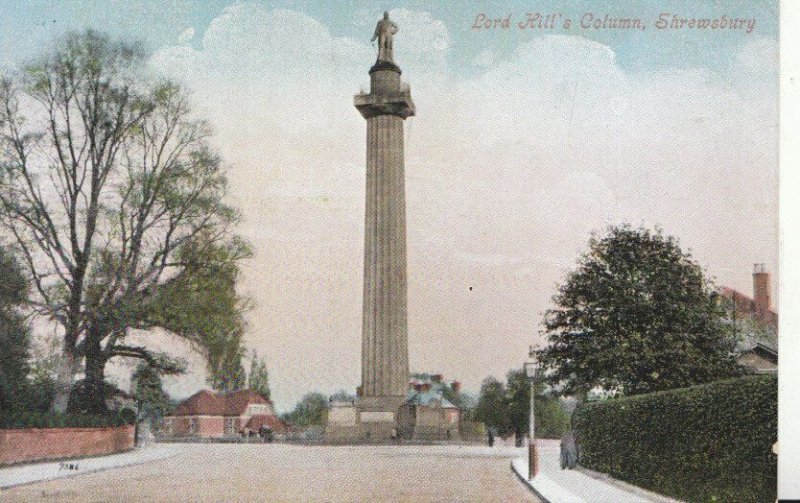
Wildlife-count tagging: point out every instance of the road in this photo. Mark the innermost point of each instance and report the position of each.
(281, 472)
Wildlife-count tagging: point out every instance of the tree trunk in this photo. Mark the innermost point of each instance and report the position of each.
(89, 396)
(94, 391)
(65, 376)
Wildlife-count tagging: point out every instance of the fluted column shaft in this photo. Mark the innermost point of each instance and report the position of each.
(384, 363)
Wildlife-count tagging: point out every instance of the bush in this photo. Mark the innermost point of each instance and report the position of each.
(711, 442)
(21, 420)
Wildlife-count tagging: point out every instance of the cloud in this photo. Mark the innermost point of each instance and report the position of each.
(486, 57)
(507, 173)
(186, 35)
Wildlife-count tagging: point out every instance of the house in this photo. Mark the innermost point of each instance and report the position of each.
(761, 358)
(757, 308)
(756, 323)
(427, 414)
(208, 414)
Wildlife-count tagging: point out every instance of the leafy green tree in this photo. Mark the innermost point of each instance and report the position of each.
(148, 391)
(202, 305)
(310, 410)
(225, 369)
(135, 198)
(518, 406)
(552, 419)
(14, 335)
(639, 315)
(492, 408)
(258, 379)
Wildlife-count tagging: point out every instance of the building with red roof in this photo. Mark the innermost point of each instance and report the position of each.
(757, 322)
(209, 414)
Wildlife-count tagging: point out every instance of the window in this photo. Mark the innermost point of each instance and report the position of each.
(193, 425)
(257, 408)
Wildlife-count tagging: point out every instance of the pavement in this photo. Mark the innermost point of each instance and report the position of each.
(40, 472)
(555, 485)
(288, 472)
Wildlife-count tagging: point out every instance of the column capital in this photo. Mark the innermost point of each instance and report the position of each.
(373, 105)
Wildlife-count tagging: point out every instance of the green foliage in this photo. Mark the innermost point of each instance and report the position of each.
(20, 420)
(710, 442)
(492, 406)
(506, 408)
(148, 391)
(637, 314)
(258, 379)
(127, 416)
(310, 411)
(14, 336)
(40, 392)
(552, 420)
(134, 232)
(201, 304)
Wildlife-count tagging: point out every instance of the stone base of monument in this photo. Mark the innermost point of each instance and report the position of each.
(384, 420)
(370, 420)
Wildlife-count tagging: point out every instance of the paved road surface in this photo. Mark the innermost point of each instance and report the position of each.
(280, 472)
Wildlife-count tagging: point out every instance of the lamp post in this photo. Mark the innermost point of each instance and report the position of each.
(533, 454)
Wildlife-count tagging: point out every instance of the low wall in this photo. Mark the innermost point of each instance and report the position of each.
(41, 444)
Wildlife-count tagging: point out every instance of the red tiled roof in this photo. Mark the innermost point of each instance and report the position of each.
(744, 305)
(272, 422)
(208, 403)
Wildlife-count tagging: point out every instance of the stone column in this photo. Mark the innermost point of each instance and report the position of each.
(384, 350)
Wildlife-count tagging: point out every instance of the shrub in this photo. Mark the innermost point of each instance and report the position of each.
(20, 420)
(711, 442)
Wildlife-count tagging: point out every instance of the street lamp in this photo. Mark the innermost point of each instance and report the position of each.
(533, 455)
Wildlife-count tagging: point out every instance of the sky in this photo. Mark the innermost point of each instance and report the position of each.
(524, 142)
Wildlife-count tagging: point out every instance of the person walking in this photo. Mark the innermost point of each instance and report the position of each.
(569, 451)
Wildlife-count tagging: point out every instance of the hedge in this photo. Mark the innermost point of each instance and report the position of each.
(22, 420)
(711, 442)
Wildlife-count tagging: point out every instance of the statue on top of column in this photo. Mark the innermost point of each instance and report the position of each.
(384, 31)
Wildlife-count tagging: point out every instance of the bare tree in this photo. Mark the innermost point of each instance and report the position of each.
(110, 191)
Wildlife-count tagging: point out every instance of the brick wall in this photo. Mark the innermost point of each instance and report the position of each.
(40, 444)
(204, 426)
(211, 426)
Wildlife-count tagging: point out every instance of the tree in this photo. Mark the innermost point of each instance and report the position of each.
(258, 380)
(203, 306)
(518, 403)
(148, 391)
(109, 188)
(638, 315)
(492, 408)
(552, 420)
(225, 369)
(310, 410)
(14, 335)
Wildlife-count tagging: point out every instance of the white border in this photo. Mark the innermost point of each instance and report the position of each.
(789, 281)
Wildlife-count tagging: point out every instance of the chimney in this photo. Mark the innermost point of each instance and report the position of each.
(426, 386)
(456, 387)
(417, 386)
(761, 289)
(437, 378)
